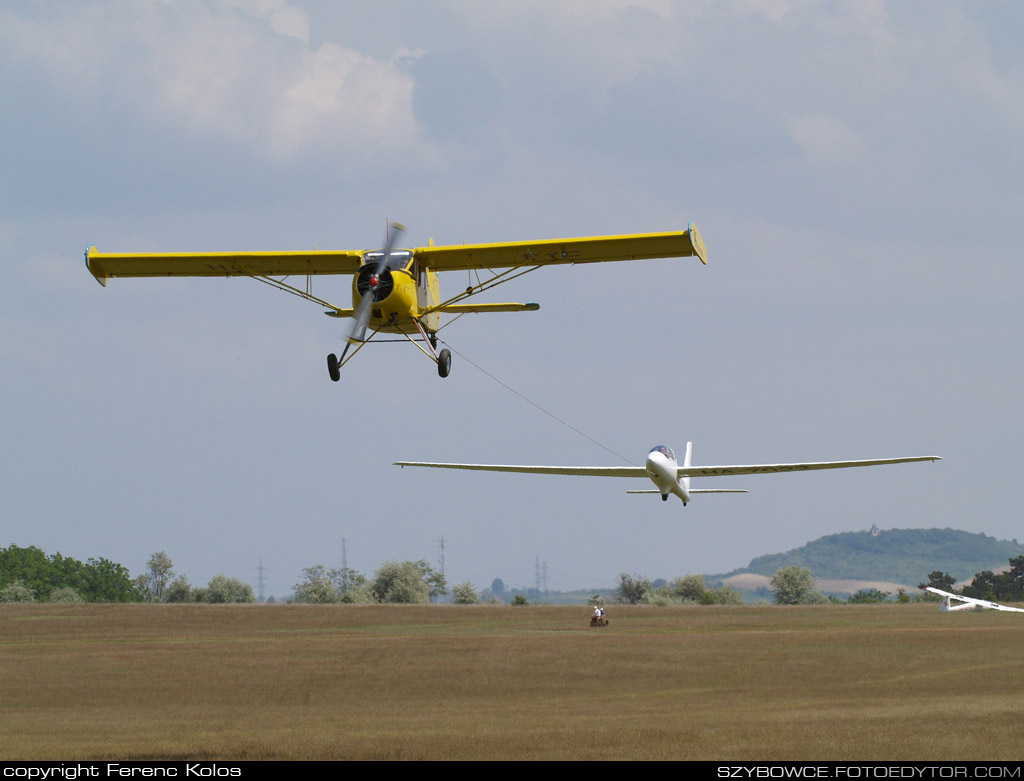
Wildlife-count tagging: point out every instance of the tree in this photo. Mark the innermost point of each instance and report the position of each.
(465, 594)
(690, 588)
(107, 581)
(633, 589)
(1004, 587)
(943, 581)
(400, 581)
(727, 595)
(153, 583)
(867, 595)
(224, 589)
(29, 567)
(351, 584)
(324, 586)
(795, 586)
(435, 581)
(179, 590)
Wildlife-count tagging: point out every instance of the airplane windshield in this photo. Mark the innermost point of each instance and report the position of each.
(665, 450)
(399, 258)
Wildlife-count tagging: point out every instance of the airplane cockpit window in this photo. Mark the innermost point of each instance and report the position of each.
(665, 450)
(399, 258)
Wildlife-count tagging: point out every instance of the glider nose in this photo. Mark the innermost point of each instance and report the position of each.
(657, 465)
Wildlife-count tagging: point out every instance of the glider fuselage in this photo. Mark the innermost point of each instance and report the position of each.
(662, 468)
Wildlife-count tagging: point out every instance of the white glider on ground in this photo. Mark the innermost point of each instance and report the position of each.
(666, 473)
(969, 603)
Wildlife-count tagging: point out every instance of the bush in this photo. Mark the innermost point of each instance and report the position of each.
(65, 595)
(465, 594)
(17, 592)
(224, 589)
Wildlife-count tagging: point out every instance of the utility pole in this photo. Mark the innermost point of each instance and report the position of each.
(260, 581)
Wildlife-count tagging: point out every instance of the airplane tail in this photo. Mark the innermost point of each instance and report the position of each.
(687, 461)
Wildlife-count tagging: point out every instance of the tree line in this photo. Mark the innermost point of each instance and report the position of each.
(29, 575)
(794, 585)
(392, 582)
(1005, 587)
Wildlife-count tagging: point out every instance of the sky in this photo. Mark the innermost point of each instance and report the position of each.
(855, 170)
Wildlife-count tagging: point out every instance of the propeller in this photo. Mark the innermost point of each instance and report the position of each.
(376, 285)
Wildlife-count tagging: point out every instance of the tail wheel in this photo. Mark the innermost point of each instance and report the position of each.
(332, 367)
(444, 362)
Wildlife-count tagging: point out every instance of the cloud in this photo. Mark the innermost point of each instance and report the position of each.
(826, 141)
(228, 70)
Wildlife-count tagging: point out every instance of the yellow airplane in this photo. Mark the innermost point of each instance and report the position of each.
(397, 290)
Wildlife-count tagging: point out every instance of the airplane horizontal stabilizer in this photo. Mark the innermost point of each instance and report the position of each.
(697, 491)
(461, 309)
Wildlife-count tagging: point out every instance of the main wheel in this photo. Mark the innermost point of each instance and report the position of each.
(332, 367)
(444, 362)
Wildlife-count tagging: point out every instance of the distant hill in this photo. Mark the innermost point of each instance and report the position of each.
(898, 556)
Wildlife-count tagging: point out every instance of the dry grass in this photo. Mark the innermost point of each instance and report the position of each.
(878, 682)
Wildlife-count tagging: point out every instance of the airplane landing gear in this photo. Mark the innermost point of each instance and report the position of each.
(332, 367)
(444, 362)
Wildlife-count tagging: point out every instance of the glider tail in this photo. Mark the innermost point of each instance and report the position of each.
(687, 461)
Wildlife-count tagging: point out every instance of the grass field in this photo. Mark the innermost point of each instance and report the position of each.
(872, 682)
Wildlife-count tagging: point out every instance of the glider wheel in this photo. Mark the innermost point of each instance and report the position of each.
(444, 362)
(332, 367)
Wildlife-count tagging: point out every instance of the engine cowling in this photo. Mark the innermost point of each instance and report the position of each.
(381, 285)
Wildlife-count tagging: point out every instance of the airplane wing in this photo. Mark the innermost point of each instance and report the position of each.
(754, 469)
(970, 602)
(108, 265)
(583, 471)
(593, 249)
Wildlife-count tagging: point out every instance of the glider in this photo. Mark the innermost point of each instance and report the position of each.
(394, 290)
(969, 603)
(666, 473)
